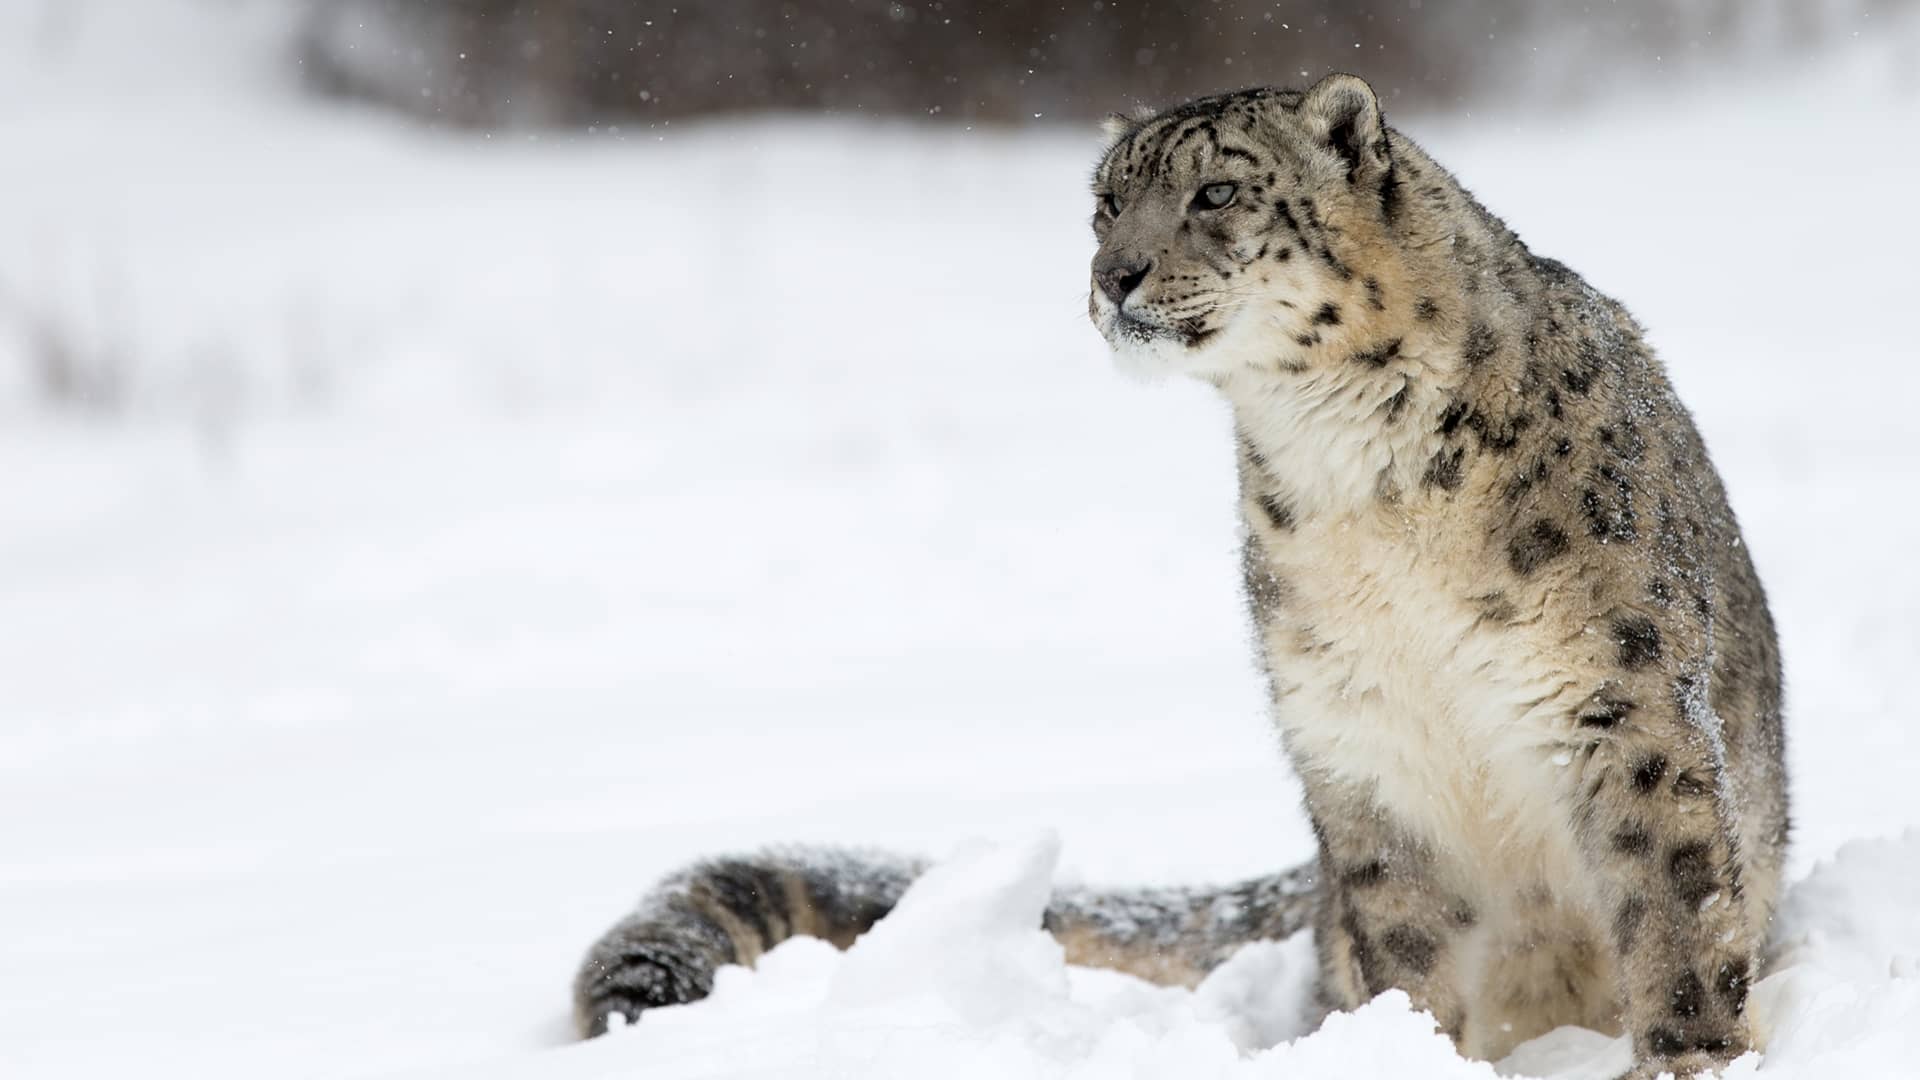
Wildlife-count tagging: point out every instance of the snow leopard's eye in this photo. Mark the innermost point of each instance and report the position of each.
(1214, 196)
(1109, 205)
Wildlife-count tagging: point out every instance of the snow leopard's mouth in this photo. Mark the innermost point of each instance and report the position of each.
(1191, 332)
(1125, 327)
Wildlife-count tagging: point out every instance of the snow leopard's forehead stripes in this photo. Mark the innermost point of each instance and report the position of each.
(1222, 126)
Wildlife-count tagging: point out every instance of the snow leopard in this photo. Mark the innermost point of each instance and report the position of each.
(1513, 642)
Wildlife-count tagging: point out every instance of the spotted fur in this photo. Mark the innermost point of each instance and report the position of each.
(1515, 648)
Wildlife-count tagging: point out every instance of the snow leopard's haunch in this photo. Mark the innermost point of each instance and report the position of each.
(730, 911)
(1514, 645)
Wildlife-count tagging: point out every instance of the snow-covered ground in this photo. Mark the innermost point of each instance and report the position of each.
(485, 527)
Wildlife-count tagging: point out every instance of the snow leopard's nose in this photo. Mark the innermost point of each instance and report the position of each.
(1119, 278)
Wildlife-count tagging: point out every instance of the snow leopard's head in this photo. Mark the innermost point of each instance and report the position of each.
(1251, 229)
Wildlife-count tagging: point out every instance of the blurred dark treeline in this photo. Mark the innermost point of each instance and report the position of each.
(637, 62)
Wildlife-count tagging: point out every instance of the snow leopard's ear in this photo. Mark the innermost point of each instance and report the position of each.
(1343, 114)
(1118, 126)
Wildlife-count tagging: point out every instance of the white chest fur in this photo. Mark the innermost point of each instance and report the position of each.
(1386, 675)
(1388, 672)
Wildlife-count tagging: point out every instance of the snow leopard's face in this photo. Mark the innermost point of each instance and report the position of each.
(1230, 228)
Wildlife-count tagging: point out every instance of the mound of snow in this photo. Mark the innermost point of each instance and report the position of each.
(1845, 996)
(966, 937)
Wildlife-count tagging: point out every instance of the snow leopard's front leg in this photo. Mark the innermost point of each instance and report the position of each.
(1650, 808)
(1386, 920)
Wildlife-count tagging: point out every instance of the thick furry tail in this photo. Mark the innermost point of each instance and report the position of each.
(731, 910)
(1174, 936)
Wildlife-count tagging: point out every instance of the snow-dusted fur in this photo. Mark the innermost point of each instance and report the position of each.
(1516, 649)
